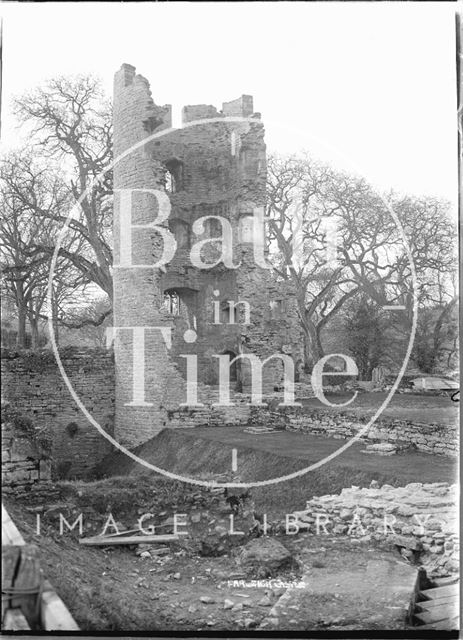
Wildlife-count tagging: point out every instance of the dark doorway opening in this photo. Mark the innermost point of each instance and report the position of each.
(235, 371)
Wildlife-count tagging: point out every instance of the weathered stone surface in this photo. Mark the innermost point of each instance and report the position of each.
(22, 449)
(378, 592)
(264, 555)
(420, 518)
(208, 169)
(265, 602)
(382, 448)
(32, 384)
(408, 542)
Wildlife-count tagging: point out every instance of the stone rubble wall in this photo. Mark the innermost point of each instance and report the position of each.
(23, 462)
(438, 439)
(33, 386)
(420, 519)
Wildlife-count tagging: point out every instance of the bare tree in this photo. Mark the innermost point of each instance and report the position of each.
(310, 204)
(307, 203)
(431, 236)
(71, 125)
(25, 187)
(83, 322)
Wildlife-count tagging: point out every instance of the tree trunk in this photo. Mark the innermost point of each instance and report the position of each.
(308, 362)
(313, 349)
(22, 315)
(34, 332)
(21, 338)
(33, 323)
(319, 348)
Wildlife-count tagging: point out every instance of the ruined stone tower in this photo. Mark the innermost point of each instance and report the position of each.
(215, 165)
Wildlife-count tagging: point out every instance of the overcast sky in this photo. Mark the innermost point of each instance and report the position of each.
(370, 86)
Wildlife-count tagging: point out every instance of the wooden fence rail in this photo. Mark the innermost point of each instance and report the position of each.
(28, 600)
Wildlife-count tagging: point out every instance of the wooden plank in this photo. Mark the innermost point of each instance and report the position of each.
(54, 614)
(440, 592)
(10, 534)
(121, 533)
(106, 541)
(10, 560)
(427, 605)
(138, 531)
(27, 585)
(15, 621)
(443, 625)
(437, 613)
(443, 582)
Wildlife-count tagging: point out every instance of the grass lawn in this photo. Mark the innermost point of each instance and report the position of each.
(203, 452)
(311, 448)
(282, 452)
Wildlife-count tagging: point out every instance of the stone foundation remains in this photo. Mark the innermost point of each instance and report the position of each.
(421, 520)
(437, 439)
(25, 452)
(402, 434)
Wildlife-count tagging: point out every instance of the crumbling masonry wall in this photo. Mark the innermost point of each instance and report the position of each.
(33, 386)
(435, 439)
(205, 168)
(438, 439)
(25, 457)
(420, 519)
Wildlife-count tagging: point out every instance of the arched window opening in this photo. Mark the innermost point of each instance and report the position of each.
(169, 182)
(174, 176)
(181, 302)
(233, 366)
(171, 302)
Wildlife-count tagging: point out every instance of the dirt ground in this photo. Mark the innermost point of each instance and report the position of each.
(114, 589)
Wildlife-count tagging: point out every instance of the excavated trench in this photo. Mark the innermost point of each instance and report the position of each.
(397, 589)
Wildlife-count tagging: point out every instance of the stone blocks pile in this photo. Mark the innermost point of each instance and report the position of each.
(422, 518)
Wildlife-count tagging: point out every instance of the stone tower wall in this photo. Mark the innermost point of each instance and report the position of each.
(137, 297)
(219, 169)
